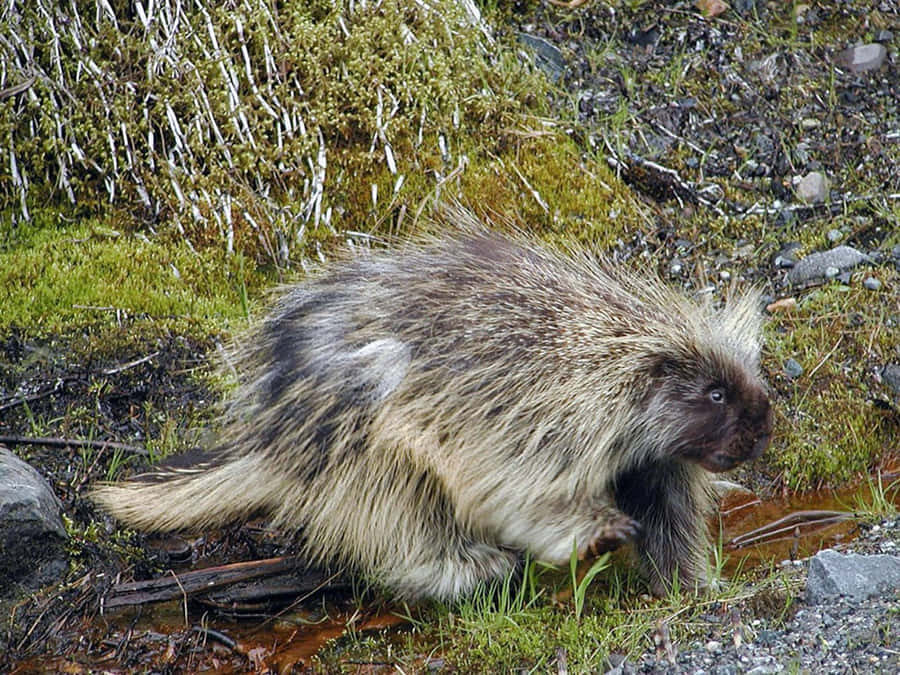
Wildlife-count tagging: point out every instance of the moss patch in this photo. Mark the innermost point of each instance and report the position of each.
(56, 274)
(835, 421)
(246, 126)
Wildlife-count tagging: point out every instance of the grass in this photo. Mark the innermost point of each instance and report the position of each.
(504, 628)
(829, 429)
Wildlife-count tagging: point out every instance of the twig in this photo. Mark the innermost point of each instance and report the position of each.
(825, 358)
(72, 442)
(218, 637)
(130, 364)
(198, 581)
(17, 88)
(789, 523)
(665, 179)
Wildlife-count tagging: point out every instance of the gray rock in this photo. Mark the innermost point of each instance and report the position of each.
(815, 265)
(834, 236)
(792, 369)
(856, 576)
(862, 57)
(546, 56)
(813, 187)
(872, 284)
(32, 535)
(891, 376)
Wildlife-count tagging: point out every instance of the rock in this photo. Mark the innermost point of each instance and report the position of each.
(861, 58)
(32, 535)
(815, 265)
(813, 188)
(546, 56)
(792, 369)
(891, 376)
(856, 576)
(872, 284)
(834, 236)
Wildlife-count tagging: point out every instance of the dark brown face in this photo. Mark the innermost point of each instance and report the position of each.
(721, 422)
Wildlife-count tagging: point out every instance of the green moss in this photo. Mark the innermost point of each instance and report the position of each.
(252, 129)
(56, 274)
(829, 426)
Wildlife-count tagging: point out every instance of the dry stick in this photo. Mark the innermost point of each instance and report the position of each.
(72, 442)
(130, 364)
(17, 89)
(22, 400)
(205, 580)
(787, 523)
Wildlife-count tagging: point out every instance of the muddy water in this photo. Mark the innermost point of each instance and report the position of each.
(167, 638)
(757, 532)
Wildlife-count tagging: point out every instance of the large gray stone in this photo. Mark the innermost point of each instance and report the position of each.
(32, 536)
(832, 574)
(815, 265)
(861, 58)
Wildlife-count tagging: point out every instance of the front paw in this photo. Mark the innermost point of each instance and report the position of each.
(611, 534)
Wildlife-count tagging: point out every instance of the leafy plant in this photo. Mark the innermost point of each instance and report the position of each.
(579, 588)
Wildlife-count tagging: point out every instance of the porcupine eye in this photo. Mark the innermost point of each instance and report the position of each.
(717, 395)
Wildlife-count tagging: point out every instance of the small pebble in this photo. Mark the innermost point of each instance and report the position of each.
(834, 236)
(872, 284)
(784, 262)
(792, 369)
(813, 188)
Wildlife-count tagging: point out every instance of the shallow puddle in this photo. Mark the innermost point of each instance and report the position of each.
(758, 532)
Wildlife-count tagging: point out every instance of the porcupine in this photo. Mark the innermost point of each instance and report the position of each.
(425, 416)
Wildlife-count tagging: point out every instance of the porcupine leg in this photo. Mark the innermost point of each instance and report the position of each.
(404, 533)
(550, 529)
(669, 502)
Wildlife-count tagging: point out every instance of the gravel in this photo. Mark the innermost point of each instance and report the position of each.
(841, 634)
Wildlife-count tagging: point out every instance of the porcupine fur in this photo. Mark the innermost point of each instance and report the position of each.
(426, 415)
